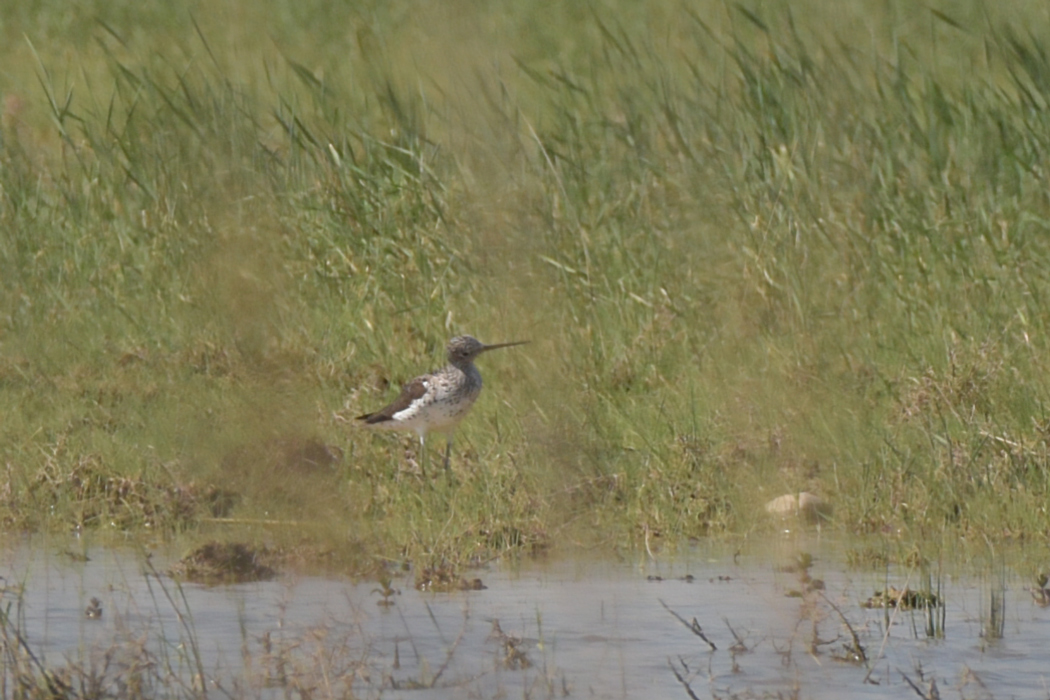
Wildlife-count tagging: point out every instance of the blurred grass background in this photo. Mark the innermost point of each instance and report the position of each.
(758, 250)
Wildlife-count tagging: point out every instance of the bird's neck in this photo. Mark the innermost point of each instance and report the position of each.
(466, 367)
(469, 370)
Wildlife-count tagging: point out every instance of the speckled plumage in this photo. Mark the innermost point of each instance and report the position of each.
(437, 401)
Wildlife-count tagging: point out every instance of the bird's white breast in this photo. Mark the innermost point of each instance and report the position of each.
(440, 408)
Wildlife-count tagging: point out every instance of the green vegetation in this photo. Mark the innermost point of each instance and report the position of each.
(757, 252)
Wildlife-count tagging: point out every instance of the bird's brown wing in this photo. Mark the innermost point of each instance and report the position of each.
(410, 392)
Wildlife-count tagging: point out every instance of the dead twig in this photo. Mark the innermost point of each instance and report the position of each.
(739, 645)
(933, 693)
(693, 626)
(681, 679)
(857, 650)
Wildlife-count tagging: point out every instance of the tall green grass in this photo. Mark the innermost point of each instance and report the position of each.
(758, 251)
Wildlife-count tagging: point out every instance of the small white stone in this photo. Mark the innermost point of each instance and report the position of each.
(807, 506)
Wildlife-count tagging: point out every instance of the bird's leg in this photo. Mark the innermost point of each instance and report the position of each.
(423, 453)
(448, 452)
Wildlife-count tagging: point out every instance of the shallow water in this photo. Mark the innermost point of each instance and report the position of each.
(581, 629)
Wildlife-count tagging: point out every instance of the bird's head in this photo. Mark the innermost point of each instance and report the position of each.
(464, 348)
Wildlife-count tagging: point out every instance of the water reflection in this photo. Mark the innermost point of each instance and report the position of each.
(582, 629)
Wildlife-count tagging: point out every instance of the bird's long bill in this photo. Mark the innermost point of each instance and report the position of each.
(497, 346)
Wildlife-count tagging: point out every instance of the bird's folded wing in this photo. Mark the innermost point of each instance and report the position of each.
(411, 392)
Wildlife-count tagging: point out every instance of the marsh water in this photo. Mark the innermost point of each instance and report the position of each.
(596, 628)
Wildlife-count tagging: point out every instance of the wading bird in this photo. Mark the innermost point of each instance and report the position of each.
(440, 400)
